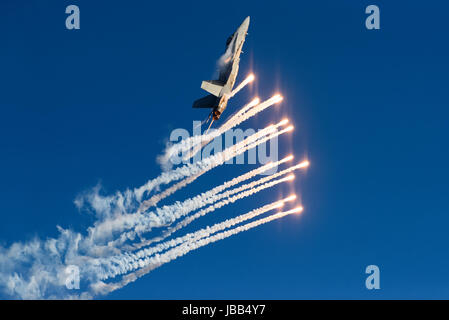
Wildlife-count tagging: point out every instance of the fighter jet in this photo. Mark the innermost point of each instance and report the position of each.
(221, 89)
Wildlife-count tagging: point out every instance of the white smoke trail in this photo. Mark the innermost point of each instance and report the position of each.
(160, 196)
(169, 214)
(132, 257)
(149, 264)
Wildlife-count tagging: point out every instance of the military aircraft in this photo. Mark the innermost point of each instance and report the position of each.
(221, 89)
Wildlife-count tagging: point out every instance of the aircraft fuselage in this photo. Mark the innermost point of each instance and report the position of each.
(220, 90)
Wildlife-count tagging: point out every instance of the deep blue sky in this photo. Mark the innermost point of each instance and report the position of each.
(370, 108)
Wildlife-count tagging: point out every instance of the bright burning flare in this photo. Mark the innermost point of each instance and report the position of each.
(295, 210)
(303, 164)
(277, 98)
(298, 209)
(279, 205)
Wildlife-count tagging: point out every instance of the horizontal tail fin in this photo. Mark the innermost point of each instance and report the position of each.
(213, 87)
(205, 102)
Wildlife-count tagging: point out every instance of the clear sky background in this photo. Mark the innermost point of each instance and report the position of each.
(370, 108)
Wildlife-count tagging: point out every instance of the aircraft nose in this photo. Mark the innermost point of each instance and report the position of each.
(246, 22)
